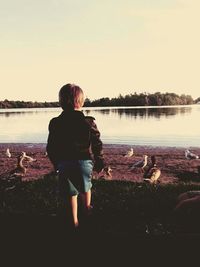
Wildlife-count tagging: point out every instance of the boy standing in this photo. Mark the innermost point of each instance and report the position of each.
(74, 147)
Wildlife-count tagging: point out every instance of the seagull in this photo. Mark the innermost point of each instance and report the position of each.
(141, 163)
(190, 155)
(27, 157)
(20, 170)
(105, 173)
(129, 153)
(8, 154)
(150, 166)
(108, 171)
(153, 175)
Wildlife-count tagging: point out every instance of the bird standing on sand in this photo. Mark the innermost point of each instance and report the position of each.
(20, 170)
(141, 163)
(150, 166)
(8, 154)
(108, 171)
(129, 153)
(27, 157)
(105, 173)
(190, 155)
(154, 174)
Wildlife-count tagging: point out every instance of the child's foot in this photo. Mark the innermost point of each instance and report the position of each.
(89, 210)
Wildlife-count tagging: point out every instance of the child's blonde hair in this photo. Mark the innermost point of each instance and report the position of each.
(71, 96)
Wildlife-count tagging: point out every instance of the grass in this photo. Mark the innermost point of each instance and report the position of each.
(120, 207)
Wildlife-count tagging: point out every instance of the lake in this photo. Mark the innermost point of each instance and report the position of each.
(157, 126)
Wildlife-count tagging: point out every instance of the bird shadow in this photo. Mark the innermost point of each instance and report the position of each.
(187, 176)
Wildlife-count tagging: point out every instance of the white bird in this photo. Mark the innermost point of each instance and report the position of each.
(108, 171)
(129, 153)
(153, 175)
(8, 154)
(20, 170)
(105, 173)
(27, 157)
(190, 155)
(141, 163)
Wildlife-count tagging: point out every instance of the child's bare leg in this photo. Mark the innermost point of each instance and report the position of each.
(74, 210)
(86, 200)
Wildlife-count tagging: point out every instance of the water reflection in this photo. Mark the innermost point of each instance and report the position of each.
(142, 112)
(26, 111)
(18, 113)
(126, 112)
(172, 126)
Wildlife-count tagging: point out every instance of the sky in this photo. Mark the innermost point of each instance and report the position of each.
(107, 47)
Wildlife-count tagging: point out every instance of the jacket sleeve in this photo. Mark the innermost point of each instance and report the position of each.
(52, 144)
(96, 144)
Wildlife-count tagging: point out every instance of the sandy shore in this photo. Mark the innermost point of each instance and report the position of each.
(171, 161)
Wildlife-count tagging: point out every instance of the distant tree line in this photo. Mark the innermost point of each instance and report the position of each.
(142, 99)
(28, 104)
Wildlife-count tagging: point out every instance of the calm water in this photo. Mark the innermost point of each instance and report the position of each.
(166, 126)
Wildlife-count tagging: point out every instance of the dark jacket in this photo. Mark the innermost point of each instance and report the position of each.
(74, 136)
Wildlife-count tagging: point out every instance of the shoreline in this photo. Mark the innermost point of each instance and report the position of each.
(104, 144)
(170, 160)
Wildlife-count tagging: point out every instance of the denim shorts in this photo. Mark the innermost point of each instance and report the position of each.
(75, 176)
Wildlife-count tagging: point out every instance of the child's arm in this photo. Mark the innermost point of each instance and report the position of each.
(96, 144)
(52, 144)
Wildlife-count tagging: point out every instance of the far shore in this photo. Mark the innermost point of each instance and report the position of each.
(171, 161)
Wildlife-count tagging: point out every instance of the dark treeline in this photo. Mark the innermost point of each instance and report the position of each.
(156, 99)
(29, 104)
(142, 99)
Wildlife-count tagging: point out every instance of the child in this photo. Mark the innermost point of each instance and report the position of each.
(74, 147)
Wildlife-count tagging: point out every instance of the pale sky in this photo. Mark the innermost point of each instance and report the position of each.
(107, 47)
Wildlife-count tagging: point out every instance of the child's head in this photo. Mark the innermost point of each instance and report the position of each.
(71, 97)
